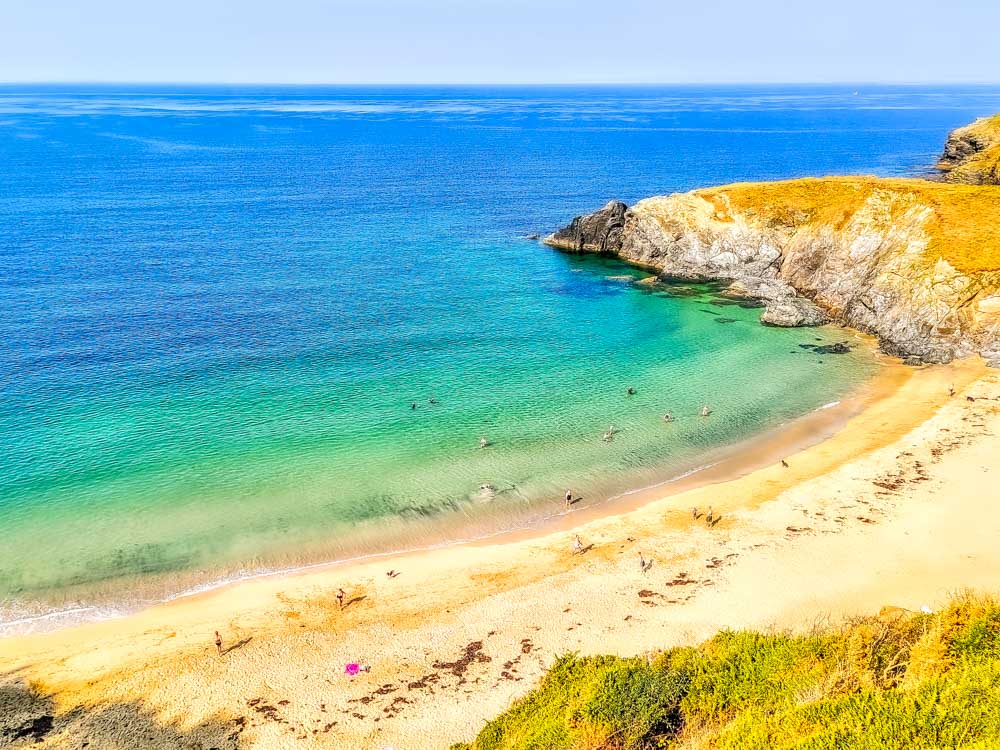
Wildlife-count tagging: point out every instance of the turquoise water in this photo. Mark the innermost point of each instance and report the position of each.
(219, 305)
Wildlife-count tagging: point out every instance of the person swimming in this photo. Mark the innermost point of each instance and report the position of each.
(668, 417)
(630, 391)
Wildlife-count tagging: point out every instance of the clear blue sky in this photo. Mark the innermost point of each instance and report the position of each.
(527, 41)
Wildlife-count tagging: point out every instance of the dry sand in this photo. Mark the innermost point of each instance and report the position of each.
(896, 508)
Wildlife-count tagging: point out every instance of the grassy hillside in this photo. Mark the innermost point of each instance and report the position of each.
(899, 680)
(962, 226)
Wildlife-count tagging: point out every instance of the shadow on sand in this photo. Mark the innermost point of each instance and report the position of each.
(29, 718)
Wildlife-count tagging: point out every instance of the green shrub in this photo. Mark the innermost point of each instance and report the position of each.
(588, 703)
(905, 681)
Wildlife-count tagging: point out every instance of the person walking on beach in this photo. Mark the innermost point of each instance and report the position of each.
(218, 642)
(569, 498)
(340, 598)
(577, 545)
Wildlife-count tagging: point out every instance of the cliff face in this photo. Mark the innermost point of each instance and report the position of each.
(913, 262)
(972, 154)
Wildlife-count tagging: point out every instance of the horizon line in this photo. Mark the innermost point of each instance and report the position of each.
(553, 84)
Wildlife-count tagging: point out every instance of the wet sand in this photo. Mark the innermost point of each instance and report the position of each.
(895, 508)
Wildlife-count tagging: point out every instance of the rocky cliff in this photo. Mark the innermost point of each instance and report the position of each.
(972, 154)
(914, 262)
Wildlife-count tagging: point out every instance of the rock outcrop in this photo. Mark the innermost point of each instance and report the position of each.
(972, 153)
(913, 262)
(599, 232)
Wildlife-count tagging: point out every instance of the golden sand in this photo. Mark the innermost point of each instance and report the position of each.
(895, 508)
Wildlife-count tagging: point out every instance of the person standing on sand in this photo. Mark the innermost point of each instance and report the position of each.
(569, 498)
(340, 598)
(577, 545)
(218, 642)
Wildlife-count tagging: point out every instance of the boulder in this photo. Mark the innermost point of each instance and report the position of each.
(762, 289)
(793, 312)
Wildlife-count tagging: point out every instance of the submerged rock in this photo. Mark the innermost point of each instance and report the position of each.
(839, 348)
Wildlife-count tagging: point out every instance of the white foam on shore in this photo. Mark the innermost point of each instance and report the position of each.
(58, 618)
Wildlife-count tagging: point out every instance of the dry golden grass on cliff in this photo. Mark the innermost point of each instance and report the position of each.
(982, 166)
(963, 227)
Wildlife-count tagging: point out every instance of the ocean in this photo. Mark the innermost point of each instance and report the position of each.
(256, 328)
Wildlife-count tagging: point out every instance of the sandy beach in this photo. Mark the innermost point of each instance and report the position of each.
(894, 508)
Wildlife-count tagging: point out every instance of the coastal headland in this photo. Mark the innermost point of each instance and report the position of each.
(914, 262)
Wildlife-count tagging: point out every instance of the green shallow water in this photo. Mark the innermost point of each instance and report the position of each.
(278, 464)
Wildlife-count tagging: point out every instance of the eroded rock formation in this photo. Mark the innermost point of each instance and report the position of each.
(913, 262)
(972, 153)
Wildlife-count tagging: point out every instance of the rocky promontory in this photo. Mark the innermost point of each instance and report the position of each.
(914, 262)
(972, 153)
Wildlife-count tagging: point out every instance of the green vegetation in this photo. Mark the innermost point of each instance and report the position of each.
(899, 680)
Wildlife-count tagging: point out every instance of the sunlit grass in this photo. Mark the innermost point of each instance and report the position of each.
(962, 222)
(900, 680)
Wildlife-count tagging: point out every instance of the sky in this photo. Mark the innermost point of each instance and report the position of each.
(494, 41)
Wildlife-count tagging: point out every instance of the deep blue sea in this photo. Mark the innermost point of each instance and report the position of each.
(252, 328)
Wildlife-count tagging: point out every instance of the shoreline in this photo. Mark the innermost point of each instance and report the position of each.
(720, 464)
(856, 521)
